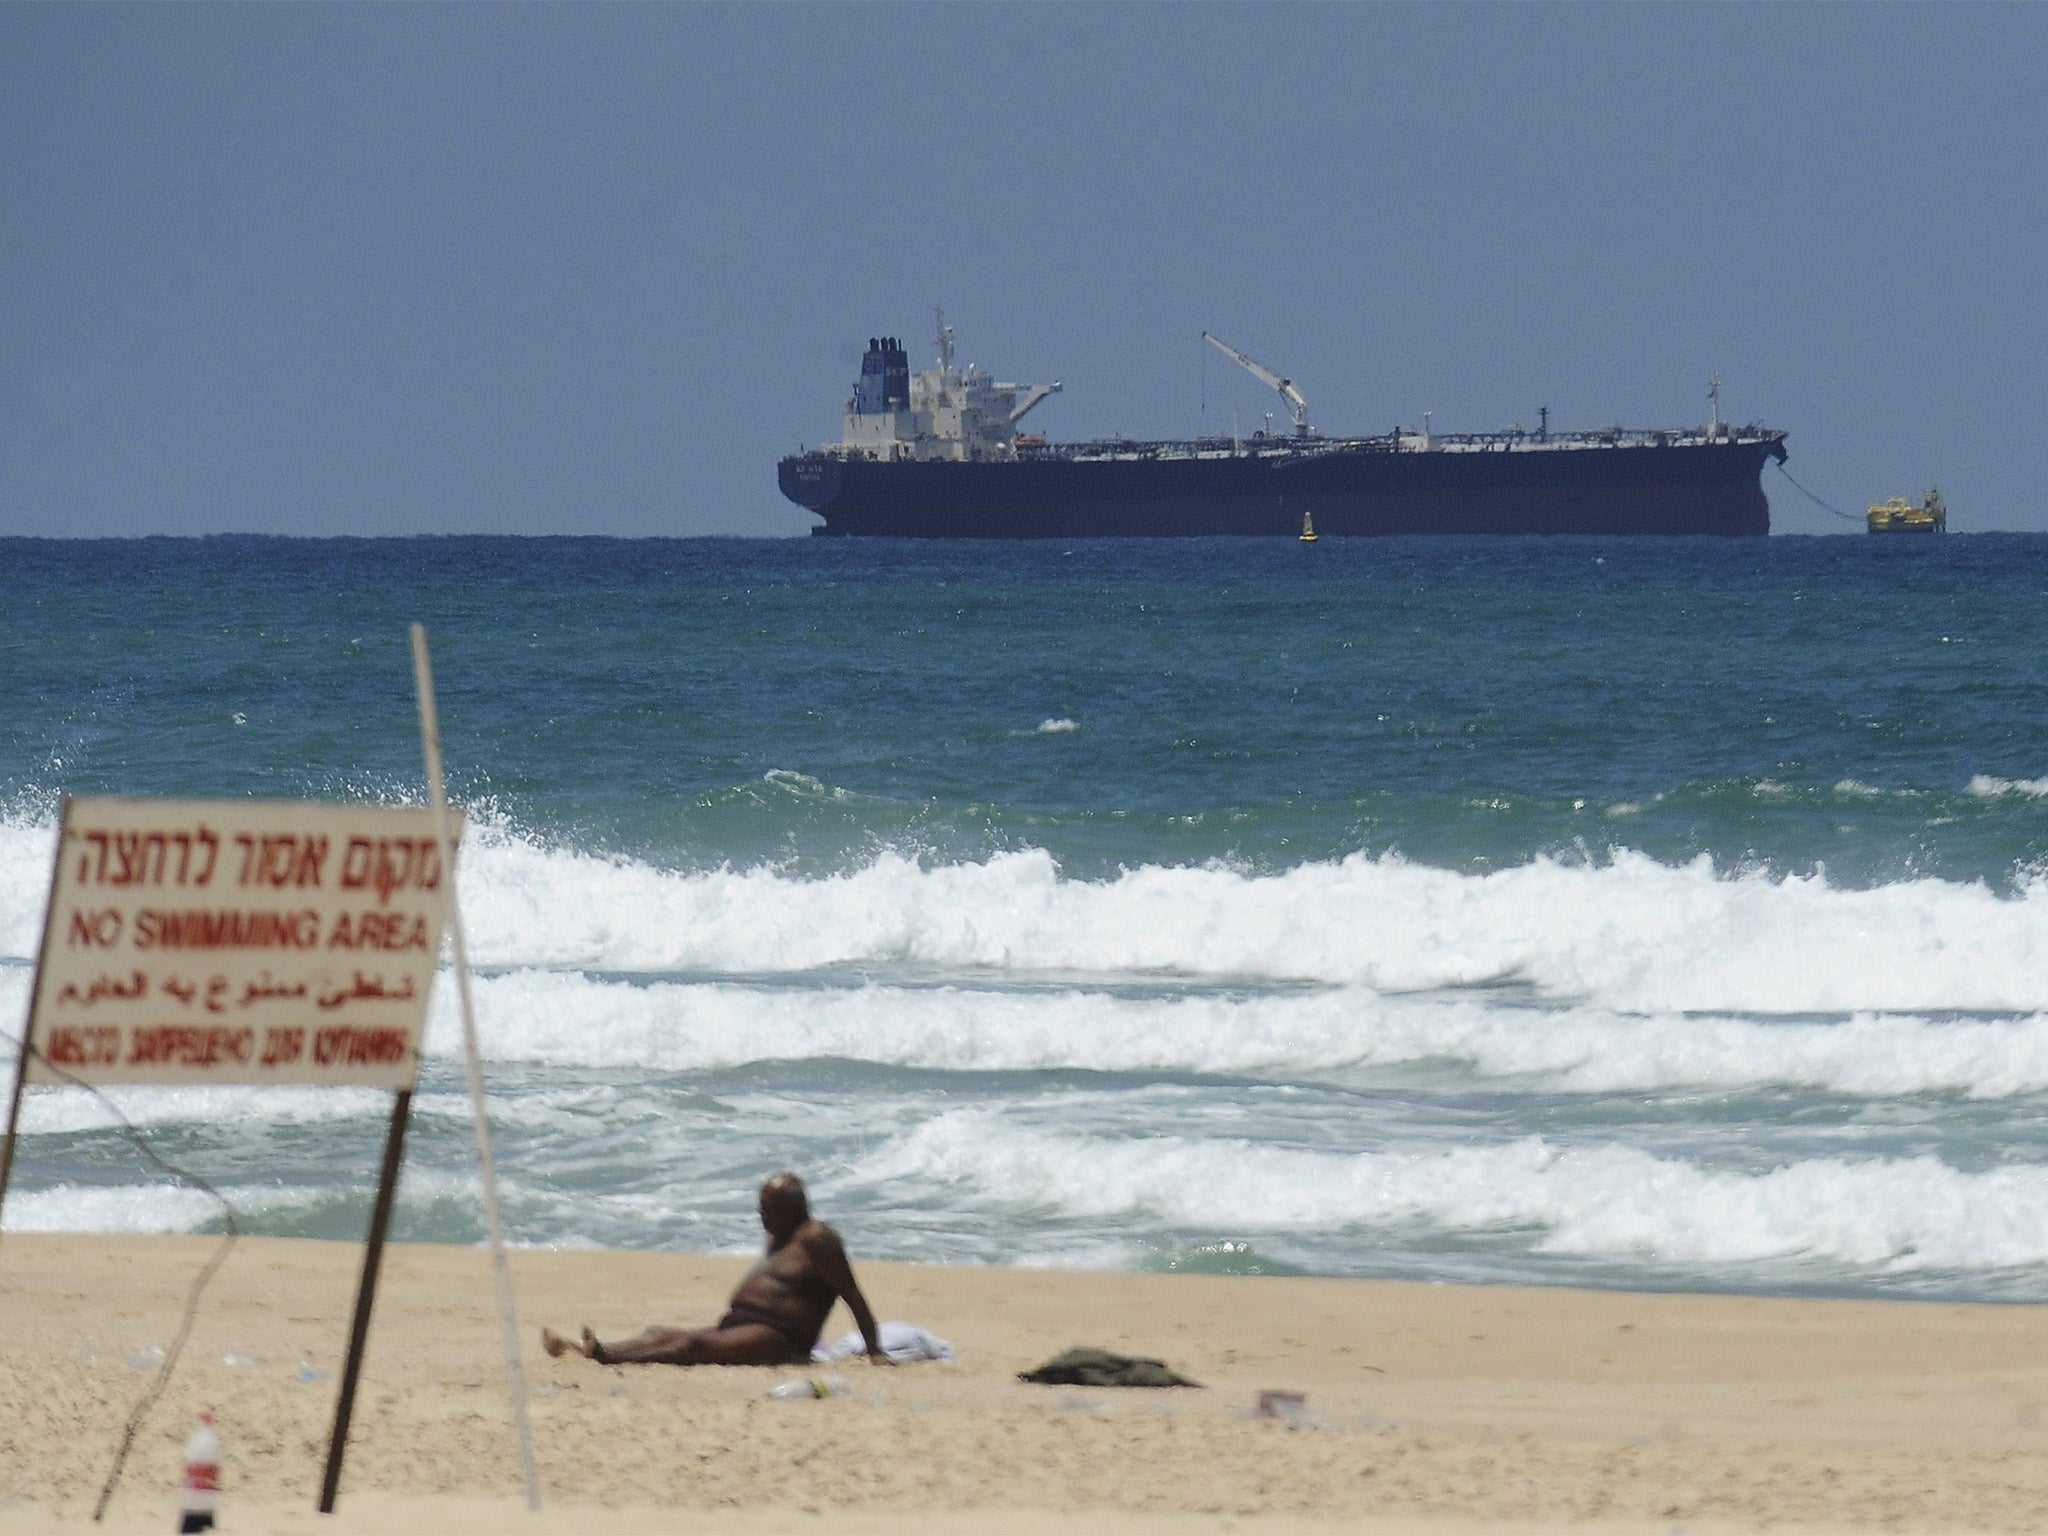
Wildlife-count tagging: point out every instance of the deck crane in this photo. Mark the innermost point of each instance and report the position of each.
(1033, 393)
(1270, 379)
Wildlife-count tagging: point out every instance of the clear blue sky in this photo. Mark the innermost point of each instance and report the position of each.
(396, 269)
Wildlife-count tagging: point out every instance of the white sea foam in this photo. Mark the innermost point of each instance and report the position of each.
(568, 1019)
(162, 1207)
(1610, 1201)
(67, 1111)
(170, 1207)
(573, 1020)
(26, 847)
(1058, 726)
(1630, 934)
(109, 1208)
(1988, 788)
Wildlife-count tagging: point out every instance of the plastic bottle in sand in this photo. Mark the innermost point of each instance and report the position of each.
(810, 1386)
(202, 1478)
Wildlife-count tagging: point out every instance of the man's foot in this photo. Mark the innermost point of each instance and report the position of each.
(558, 1346)
(593, 1350)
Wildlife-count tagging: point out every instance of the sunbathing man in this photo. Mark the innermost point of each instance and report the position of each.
(776, 1313)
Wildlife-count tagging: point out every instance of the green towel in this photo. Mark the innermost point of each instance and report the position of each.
(1100, 1368)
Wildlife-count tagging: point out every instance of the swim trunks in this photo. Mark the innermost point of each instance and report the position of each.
(745, 1317)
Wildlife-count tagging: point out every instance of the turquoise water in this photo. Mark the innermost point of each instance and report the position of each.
(1636, 913)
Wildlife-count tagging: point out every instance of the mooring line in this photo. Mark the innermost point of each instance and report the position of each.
(1802, 490)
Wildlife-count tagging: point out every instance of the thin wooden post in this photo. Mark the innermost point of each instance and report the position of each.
(366, 1297)
(35, 997)
(14, 1113)
(473, 1065)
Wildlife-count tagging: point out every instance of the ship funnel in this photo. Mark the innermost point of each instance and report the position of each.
(884, 378)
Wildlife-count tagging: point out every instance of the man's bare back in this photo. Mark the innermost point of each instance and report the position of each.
(776, 1312)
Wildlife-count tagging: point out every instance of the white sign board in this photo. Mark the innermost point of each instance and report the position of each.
(238, 941)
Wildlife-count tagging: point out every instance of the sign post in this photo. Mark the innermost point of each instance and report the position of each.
(27, 1028)
(244, 941)
(472, 1056)
(366, 1298)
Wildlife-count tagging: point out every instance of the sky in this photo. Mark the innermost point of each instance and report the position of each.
(502, 269)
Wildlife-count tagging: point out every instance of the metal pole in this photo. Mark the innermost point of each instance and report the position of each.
(366, 1297)
(35, 995)
(515, 1371)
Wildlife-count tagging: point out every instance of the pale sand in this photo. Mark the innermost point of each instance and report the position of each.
(1437, 1407)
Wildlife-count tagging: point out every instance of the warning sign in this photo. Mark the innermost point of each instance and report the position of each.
(238, 941)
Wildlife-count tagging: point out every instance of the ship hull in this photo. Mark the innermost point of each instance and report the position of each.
(1695, 488)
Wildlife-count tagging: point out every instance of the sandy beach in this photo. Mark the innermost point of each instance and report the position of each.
(1433, 1407)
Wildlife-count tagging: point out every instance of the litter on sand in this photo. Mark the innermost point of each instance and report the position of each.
(1289, 1407)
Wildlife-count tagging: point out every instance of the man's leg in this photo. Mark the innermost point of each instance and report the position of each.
(746, 1344)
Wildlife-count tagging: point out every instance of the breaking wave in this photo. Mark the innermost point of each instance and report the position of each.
(1629, 934)
(1601, 1201)
(575, 1020)
(1986, 787)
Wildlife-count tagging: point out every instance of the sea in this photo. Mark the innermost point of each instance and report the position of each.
(1639, 914)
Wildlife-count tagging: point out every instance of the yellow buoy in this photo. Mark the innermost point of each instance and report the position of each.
(1308, 528)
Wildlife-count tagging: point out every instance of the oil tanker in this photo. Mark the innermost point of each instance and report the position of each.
(938, 454)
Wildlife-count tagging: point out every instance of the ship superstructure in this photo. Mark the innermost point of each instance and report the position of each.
(944, 414)
(938, 454)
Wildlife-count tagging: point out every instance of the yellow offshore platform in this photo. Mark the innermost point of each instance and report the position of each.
(1900, 516)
